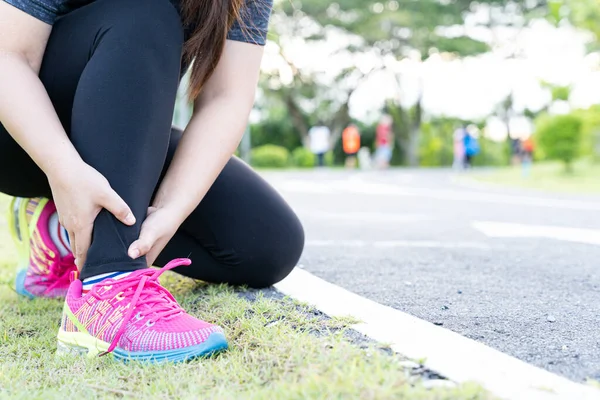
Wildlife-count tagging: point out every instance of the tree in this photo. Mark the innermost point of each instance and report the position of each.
(392, 30)
(560, 138)
(590, 142)
(389, 31)
(308, 96)
(385, 32)
(505, 111)
(584, 14)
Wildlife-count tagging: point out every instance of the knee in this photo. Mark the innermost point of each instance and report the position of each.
(275, 262)
(150, 24)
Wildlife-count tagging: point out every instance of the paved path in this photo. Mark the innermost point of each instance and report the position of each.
(504, 267)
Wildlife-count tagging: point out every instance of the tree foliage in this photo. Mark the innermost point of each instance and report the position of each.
(560, 138)
(590, 141)
(385, 32)
(584, 14)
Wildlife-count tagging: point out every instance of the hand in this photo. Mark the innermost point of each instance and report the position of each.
(158, 228)
(80, 193)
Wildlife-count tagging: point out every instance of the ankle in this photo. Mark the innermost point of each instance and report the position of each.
(89, 283)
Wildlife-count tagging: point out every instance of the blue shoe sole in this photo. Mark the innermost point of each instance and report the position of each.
(20, 284)
(215, 343)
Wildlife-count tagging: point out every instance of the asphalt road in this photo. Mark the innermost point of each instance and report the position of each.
(408, 239)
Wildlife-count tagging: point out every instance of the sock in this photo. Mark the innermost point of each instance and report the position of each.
(89, 283)
(59, 235)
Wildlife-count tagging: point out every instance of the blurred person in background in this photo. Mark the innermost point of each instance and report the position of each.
(319, 137)
(459, 149)
(106, 188)
(364, 158)
(471, 146)
(527, 150)
(516, 148)
(351, 145)
(383, 142)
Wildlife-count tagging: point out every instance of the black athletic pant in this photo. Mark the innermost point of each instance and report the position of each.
(112, 69)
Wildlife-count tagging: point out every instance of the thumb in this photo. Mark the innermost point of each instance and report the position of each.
(117, 207)
(144, 244)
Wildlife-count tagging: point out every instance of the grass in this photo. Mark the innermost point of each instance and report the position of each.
(593, 383)
(280, 349)
(549, 177)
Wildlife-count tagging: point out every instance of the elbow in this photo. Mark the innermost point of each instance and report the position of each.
(9, 58)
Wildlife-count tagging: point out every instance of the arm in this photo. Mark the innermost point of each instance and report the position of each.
(29, 116)
(22, 43)
(214, 132)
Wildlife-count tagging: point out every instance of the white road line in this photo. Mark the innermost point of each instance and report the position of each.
(426, 244)
(430, 244)
(352, 217)
(297, 186)
(378, 189)
(336, 243)
(403, 178)
(501, 229)
(459, 358)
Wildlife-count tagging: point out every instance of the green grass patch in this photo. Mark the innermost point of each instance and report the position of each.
(280, 349)
(548, 176)
(593, 383)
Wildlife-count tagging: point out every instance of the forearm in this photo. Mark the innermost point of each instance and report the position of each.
(28, 115)
(208, 142)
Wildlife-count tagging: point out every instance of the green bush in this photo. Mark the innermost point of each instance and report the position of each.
(590, 141)
(303, 158)
(277, 132)
(492, 153)
(436, 144)
(329, 159)
(560, 138)
(270, 156)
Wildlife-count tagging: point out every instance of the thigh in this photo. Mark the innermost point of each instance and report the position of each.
(64, 60)
(19, 175)
(72, 42)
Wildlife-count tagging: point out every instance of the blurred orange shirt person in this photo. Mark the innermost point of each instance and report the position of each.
(529, 145)
(351, 140)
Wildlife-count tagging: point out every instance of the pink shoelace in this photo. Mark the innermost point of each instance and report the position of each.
(144, 289)
(60, 272)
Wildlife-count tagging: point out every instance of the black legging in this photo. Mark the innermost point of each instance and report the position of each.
(112, 69)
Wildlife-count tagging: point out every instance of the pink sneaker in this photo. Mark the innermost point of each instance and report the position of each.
(135, 318)
(44, 272)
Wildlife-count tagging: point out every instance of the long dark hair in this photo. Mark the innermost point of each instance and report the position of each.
(212, 20)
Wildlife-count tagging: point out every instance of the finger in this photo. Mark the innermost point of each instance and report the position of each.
(151, 257)
(84, 240)
(73, 244)
(144, 244)
(117, 207)
(154, 253)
